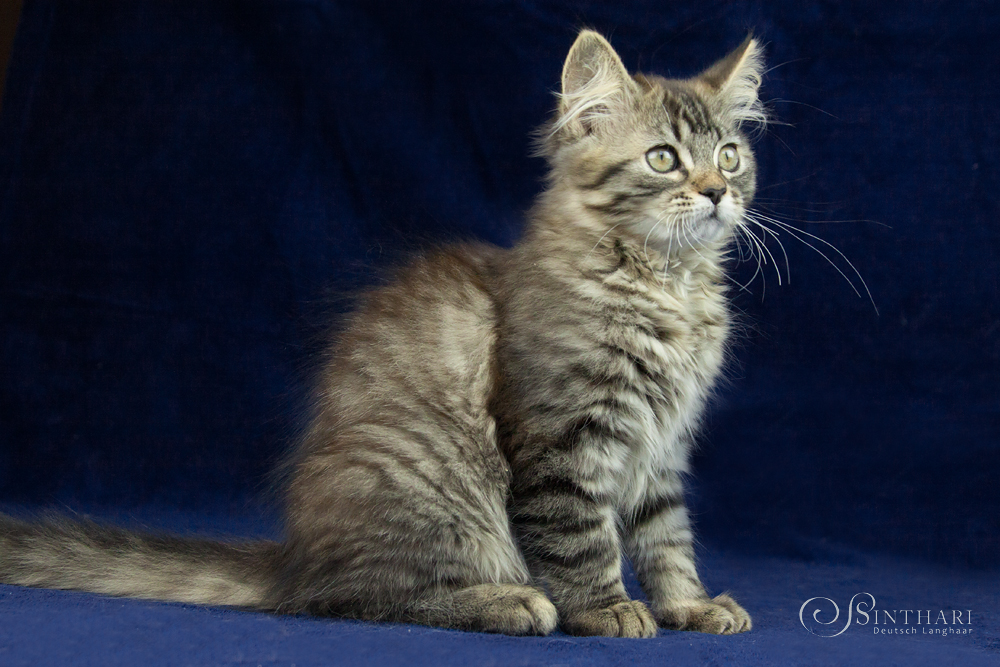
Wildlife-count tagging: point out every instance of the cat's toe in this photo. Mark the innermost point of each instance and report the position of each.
(517, 610)
(624, 619)
(719, 616)
(542, 614)
(511, 609)
(743, 622)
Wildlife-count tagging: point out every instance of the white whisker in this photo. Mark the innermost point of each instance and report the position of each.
(752, 240)
(601, 239)
(739, 246)
(736, 238)
(694, 246)
(645, 244)
(763, 245)
(756, 217)
(788, 268)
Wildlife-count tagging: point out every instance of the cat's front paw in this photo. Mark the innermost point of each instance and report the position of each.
(624, 619)
(719, 616)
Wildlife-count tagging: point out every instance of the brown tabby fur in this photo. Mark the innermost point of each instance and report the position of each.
(496, 428)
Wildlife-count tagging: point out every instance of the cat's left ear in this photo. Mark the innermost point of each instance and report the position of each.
(733, 82)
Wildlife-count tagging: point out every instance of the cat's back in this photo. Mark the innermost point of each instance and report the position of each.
(436, 313)
(420, 345)
(401, 455)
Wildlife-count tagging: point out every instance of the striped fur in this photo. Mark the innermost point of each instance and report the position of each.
(495, 428)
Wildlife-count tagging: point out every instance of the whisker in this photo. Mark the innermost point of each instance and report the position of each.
(781, 200)
(740, 234)
(794, 231)
(736, 237)
(783, 143)
(781, 101)
(779, 205)
(838, 222)
(794, 180)
(680, 244)
(765, 230)
(788, 267)
(762, 243)
(779, 210)
(744, 228)
(666, 262)
(601, 239)
(787, 62)
(739, 245)
(659, 219)
(694, 246)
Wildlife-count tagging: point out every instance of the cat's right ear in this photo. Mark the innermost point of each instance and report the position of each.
(595, 85)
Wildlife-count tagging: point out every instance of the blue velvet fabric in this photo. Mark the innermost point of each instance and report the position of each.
(187, 189)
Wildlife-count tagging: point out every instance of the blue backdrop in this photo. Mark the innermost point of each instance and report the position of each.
(187, 189)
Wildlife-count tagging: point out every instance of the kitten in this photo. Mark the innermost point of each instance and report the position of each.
(496, 428)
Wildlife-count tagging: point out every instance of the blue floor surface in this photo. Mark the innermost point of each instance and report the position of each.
(40, 627)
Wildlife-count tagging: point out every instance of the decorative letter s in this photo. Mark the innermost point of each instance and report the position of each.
(836, 614)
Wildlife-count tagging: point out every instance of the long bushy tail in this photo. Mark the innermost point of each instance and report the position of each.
(82, 555)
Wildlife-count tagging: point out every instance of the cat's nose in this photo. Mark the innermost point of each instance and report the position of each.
(714, 193)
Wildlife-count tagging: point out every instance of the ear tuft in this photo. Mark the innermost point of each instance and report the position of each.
(595, 84)
(734, 81)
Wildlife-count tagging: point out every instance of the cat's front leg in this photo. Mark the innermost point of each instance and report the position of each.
(658, 539)
(568, 534)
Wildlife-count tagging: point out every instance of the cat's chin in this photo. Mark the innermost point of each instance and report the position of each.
(709, 229)
(693, 234)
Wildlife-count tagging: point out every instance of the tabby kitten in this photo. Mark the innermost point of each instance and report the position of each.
(495, 428)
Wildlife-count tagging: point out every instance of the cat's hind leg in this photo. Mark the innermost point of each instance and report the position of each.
(408, 527)
(511, 609)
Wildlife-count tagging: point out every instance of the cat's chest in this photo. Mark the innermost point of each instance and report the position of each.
(674, 327)
(671, 340)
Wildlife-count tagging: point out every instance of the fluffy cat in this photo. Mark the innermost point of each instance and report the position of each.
(496, 427)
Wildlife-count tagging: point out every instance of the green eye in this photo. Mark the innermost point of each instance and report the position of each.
(729, 158)
(662, 159)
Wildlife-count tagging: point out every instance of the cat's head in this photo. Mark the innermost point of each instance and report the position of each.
(668, 161)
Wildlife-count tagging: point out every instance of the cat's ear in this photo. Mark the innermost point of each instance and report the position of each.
(595, 85)
(733, 83)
